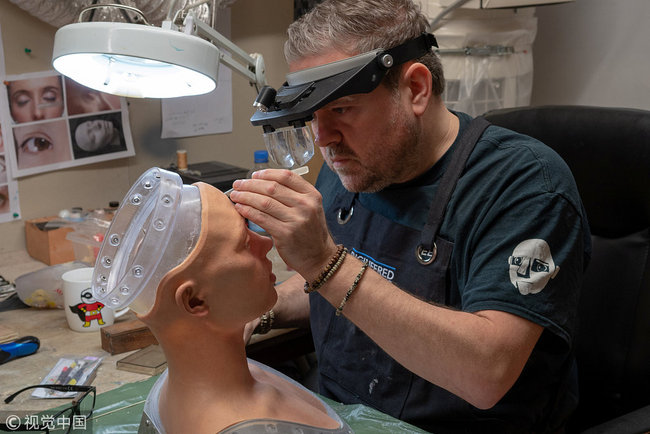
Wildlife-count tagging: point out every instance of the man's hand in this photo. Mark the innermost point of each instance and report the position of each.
(290, 209)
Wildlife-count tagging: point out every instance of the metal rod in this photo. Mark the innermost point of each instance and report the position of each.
(112, 5)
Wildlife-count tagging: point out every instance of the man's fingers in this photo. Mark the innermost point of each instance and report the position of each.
(283, 177)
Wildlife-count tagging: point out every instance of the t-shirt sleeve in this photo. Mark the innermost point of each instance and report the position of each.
(528, 259)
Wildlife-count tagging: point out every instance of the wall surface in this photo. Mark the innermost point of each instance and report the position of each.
(593, 52)
(257, 26)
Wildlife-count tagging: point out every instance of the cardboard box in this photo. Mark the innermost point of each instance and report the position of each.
(48, 245)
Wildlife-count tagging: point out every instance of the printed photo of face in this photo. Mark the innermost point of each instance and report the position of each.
(4, 199)
(35, 99)
(97, 135)
(42, 144)
(81, 99)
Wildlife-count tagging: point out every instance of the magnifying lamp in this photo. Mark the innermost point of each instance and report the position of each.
(145, 61)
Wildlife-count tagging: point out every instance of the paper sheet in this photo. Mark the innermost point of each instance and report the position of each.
(203, 114)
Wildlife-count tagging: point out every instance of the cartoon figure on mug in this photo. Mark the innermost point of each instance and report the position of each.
(89, 309)
(97, 135)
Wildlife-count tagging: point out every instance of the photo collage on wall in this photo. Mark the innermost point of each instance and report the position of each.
(56, 123)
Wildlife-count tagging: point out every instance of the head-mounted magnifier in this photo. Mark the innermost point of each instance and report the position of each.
(284, 113)
(154, 229)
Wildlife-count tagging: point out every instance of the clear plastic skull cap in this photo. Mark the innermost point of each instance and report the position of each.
(155, 228)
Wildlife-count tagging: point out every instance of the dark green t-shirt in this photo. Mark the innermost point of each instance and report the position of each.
(520, 245)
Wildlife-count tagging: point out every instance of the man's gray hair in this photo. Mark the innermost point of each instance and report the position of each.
(357, 26)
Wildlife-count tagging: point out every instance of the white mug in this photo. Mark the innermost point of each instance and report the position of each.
(83, 312)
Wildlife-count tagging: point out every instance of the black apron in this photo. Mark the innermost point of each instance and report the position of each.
(353, 369)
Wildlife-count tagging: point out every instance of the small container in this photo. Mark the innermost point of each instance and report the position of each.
(260, 161)
(87, 238)
(43, 288)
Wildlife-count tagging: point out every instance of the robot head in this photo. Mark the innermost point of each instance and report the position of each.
(155, 228)
(532, 266)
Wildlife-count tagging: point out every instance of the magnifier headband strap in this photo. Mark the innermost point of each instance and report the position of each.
(412, 49)
(409, 50)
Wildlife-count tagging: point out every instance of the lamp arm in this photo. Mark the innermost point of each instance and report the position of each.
(250, 66)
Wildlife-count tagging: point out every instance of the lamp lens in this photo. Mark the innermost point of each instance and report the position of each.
(133, 76)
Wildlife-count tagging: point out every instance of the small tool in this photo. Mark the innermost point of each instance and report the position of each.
(20, 347)
(302, 170)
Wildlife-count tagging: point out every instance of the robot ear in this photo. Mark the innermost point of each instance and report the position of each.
(555, 271)
(190, 299)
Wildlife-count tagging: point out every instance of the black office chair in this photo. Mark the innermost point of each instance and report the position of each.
(608, 151)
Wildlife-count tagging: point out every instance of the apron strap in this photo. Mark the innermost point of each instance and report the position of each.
(446, 188)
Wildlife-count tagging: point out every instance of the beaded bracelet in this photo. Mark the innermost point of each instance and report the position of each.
(330, 273)
(266, 322)
(339, 310)
(334, 263)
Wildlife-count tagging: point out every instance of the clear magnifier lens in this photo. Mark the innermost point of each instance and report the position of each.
(290, 146)
(302, 145)
(279, 152)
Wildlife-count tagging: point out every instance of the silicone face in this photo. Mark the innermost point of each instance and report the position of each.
(155, 228)
(227, 276)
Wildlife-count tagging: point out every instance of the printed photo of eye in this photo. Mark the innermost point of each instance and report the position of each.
(35, 99)
(4, 199)
(42, 144)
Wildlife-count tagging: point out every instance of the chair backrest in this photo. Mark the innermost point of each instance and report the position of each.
(608, 151)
